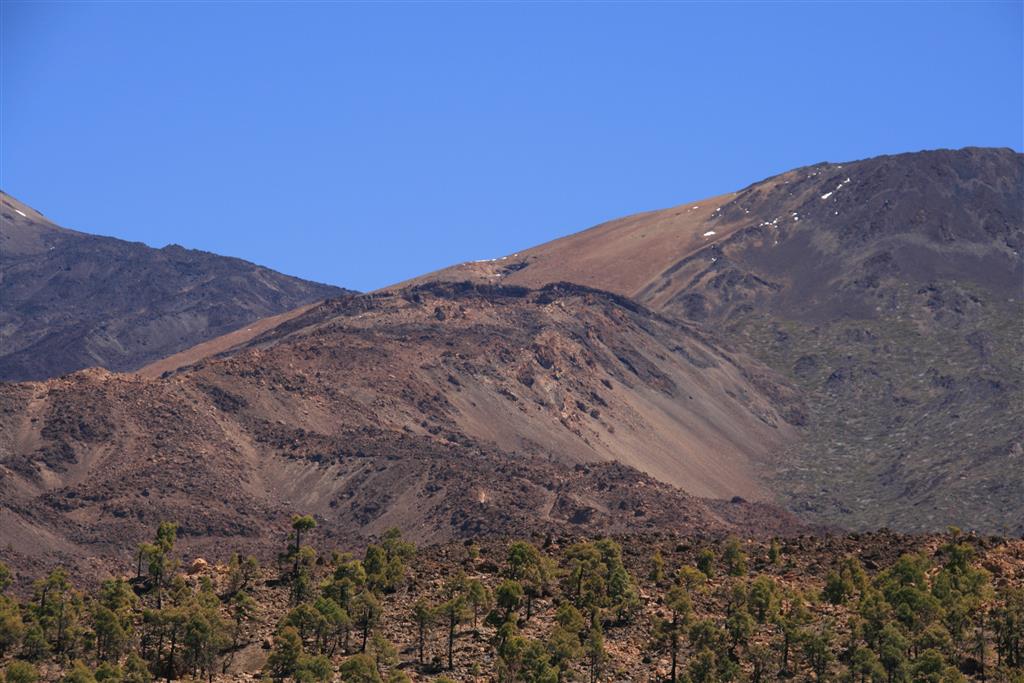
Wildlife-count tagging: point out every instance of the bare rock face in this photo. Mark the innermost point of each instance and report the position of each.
(72, 300)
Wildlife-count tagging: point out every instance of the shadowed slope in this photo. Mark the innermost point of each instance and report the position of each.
(72, 300)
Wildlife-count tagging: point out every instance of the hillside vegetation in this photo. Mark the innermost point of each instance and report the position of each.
(876, 607)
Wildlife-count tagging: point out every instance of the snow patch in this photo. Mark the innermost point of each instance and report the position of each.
(709, 233)
(838, 187)
(21, 213)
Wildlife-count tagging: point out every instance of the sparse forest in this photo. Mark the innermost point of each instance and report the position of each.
(876, 607)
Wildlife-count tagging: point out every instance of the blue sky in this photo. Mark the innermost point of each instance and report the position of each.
(361, 144)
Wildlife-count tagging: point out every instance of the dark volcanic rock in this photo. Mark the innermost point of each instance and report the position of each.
(896, 306)
(889, 290)
(72, 300)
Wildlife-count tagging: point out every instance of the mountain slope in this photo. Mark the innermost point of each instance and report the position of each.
(888, 290)
(450, 411)
(72, 300)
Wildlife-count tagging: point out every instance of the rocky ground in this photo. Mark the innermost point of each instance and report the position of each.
(799, 574)
(888, 291)
(446, 411)
(73, 300)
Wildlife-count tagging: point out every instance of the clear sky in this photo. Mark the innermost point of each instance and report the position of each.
(361, 144)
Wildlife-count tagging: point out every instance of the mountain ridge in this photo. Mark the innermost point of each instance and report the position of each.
(889, 290)
(75, 300)
(842, 340)
(450, 411)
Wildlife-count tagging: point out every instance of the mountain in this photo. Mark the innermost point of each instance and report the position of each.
(887, 291)
(842, 339)
(452, 411)
(73, 300)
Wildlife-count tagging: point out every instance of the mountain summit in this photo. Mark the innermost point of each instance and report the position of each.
(73, 300)
(842, 340)
(889, 291)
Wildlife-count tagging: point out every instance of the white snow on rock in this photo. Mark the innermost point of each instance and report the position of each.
(21, 213)
(838, 187)
(709, 233)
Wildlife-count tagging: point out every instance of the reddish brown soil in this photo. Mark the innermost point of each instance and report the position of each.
(889, 291)
(446, 410)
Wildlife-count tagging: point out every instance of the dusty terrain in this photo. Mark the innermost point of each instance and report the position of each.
(72, 300)
(446, 410)
(889, 291)
(843, 340)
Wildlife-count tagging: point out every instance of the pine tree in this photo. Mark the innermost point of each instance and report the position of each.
(422, 617)
(762, 599)
(359, 669)
(706, 562)
(365, 614)
(300, 524)
(383, 651)
(478, 598)
(508, 597)
(595, 653)
(657, 575)
(670, 632)
(818, 652)
(18, 671)
(734, 557)
(453, 610)
(534, 571)
(78, 673)
(284, 658)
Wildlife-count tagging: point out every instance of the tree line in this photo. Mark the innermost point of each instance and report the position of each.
(523, 613)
